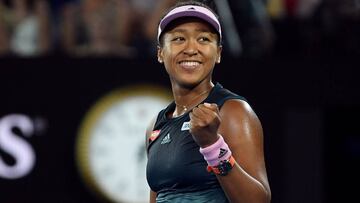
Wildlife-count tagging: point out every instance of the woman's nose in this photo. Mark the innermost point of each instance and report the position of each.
(191, 48)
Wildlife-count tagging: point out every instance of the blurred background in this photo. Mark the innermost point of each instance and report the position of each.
(70, 67)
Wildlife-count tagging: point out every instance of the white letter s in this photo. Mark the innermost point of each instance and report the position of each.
(15, 146)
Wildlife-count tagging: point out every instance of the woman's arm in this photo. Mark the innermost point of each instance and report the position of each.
(152, 197)
(148, 133)
(242, 131)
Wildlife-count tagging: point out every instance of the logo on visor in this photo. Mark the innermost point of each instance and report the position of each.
(191, 8)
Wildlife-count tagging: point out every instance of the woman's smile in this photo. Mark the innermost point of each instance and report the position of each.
(189, 65)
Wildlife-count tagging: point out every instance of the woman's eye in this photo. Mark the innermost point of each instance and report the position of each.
(204, 39)
(178, 39)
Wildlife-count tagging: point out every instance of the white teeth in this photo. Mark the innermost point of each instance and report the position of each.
(190, 63)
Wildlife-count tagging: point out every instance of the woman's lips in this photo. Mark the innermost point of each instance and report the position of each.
(189, 65)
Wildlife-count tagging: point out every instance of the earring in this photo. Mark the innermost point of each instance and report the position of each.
(160, 61)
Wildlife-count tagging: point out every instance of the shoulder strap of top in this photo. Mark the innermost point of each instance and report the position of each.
(220, 94)
(161, 118)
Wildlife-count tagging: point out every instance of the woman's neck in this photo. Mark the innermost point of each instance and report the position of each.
(187, 98)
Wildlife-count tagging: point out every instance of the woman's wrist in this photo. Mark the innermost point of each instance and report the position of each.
(217, 152)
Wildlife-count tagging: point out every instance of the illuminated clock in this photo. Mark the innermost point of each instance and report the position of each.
(110, 148)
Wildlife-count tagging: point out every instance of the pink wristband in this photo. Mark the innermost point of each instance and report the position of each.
(219, 151)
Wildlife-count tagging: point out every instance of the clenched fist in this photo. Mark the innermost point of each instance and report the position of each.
(204, 124)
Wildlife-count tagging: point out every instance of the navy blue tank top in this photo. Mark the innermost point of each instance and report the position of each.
(175, 165)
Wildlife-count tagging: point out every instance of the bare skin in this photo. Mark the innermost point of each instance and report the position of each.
(189, 52)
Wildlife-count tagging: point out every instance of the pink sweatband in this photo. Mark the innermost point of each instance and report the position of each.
(219, 151)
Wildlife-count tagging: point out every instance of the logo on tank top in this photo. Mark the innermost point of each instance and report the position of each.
(154, 135)
(185, 126)
(166, 139)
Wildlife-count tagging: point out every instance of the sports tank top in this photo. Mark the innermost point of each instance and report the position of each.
(175, 165)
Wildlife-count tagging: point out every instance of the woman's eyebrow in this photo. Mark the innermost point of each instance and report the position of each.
(203, 30)
(177, 30)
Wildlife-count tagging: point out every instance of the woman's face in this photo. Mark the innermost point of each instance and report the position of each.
(189, 51)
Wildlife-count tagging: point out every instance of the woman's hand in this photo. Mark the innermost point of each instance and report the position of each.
(204, 124)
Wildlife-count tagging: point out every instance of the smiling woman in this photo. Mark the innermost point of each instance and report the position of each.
(189, 51)
(206, 145)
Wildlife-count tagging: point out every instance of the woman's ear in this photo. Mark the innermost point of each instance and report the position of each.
(218, 60)
(159, 54)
